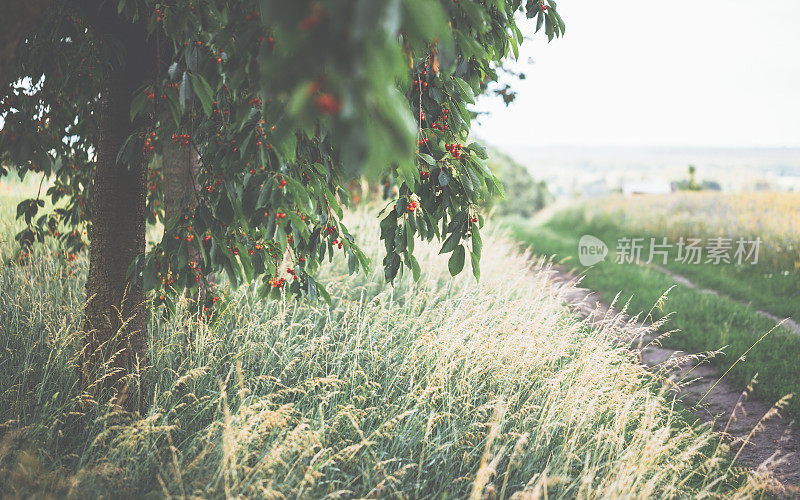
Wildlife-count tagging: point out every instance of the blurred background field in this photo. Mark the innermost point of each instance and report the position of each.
(774, 217)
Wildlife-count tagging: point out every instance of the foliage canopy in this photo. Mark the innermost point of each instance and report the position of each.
(283, 102)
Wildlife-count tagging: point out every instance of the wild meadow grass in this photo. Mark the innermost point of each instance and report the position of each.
(438, 388)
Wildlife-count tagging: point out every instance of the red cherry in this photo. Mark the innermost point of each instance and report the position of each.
(328, 104)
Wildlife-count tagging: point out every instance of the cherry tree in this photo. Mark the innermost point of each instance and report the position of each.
(237, 124)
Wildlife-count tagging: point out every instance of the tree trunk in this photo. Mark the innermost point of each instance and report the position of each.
(115, 342)
(181, 165)
(180, 168)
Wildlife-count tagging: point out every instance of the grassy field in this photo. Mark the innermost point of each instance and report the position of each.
(705, 322)
(772, 284)
(440, 388)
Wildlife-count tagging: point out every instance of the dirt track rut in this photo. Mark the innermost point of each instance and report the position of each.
(773, 448)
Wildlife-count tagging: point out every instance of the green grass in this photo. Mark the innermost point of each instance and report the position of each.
(704, 322)
(773, 283)
(440, 388)
(767, 288)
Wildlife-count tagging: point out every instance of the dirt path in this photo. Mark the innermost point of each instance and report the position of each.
(764, 440)
(788, 323)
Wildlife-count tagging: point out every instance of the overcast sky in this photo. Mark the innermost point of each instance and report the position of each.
(719, 73)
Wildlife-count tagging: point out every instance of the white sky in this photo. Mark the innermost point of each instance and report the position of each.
(718, 73)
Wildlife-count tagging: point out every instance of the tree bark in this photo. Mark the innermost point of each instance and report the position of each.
(181, 165)
(115, 315)
(115, 343)
(180, 169)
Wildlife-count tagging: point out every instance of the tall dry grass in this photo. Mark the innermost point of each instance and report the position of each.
(774, 217)
(438, 388)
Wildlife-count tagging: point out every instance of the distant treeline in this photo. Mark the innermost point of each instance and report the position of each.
(524, 195)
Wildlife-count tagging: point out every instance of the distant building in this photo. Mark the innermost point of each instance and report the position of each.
(646, 187)
(788, 183)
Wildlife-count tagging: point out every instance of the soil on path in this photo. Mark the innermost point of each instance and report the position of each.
(764, 440)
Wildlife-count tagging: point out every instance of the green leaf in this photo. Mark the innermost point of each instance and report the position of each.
(224, 210)
(456, 262)
(450, 243)
(549, 29)
(416, 271)
(174, 108)
(173, 70)
(479, 150)
(409, 228)
(477, 243)
(427, 20)
(391, 264)
(149, 275)
(192, 58)
(465, 90)
(351, 262)
(138, 104)
(184, 91)
(409, 173)
(388, 225)
(203, 91)
(476, 265)
(323, 293)
(428, 159)
(477, 16)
